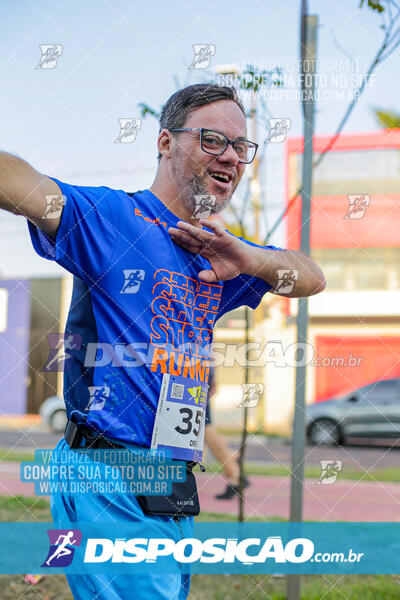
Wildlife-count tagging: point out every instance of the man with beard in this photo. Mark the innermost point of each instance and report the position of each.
(151, 280)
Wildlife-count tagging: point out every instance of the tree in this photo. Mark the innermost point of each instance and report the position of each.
(389, 119)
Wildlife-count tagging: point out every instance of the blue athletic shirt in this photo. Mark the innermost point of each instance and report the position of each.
(138, 309)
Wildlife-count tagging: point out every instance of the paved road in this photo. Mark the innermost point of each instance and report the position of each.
(269, 497)
(269, 451)
(28, 439)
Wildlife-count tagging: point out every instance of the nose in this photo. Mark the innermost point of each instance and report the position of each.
(229, 156)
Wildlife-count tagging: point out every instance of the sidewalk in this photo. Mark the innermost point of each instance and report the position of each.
(9, 422)
(342, 501)
(269, 497)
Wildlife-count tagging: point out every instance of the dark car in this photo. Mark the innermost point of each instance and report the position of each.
(370, 412)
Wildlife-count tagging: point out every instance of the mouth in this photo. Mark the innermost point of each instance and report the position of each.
(223, 179)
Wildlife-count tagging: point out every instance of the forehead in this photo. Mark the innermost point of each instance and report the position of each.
(223, 115)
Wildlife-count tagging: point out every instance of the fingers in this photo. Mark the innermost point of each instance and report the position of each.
(185, 240)
(195, 239)
(215, 227)
(207, 276)
(195, 232)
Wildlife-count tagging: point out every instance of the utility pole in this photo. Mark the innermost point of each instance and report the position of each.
(308, 39)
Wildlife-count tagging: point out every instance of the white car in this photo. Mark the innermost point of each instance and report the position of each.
(53, 413)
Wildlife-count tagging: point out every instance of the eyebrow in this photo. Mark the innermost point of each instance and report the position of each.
(241, 138)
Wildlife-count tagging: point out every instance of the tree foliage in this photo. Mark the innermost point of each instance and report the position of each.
(389, 119)
(374, 5)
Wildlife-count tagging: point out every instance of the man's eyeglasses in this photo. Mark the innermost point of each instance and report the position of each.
(215, 142)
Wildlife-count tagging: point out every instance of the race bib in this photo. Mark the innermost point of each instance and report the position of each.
(180, 418)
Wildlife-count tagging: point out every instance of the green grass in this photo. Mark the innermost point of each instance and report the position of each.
(15, 455)
(24, 509)
(257, 432)
(214, 517)
(314, 587)
(204, 587)
(232, 587)
(52, 587)
(388, 474)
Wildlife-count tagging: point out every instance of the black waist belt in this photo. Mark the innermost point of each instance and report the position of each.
(183, 502)
(74, 434)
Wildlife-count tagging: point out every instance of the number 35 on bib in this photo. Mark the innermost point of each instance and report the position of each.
(180, 419)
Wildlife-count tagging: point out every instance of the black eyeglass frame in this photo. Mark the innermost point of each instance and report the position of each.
(228, 141)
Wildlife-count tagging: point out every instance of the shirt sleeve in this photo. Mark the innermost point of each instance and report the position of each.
(88, 231)
(244, 289)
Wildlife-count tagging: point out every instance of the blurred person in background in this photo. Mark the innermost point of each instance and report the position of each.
(228, 458)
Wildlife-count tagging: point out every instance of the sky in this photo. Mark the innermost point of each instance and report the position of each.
(65, 120)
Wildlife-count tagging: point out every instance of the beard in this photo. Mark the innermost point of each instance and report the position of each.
(196, 186)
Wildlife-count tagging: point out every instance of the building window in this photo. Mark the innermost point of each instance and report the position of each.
(359, 268)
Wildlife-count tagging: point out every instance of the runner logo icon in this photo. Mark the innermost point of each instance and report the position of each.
(62, 547)
(133, 279)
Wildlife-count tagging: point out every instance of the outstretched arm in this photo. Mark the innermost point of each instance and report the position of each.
(24, 191)
(229, 257)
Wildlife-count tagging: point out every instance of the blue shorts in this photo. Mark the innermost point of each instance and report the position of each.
(111, 508)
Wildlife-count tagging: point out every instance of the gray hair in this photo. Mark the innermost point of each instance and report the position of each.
(178, 107)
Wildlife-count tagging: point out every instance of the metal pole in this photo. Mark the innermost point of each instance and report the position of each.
(255, 183)
(308, 55)
(244, 430)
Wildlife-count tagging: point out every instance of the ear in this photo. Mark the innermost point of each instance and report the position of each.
(164, 143)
